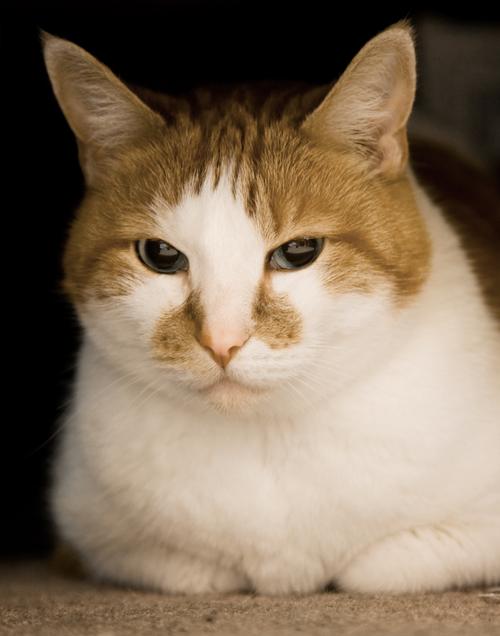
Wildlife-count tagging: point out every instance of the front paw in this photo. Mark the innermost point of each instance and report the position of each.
(171, 572)
(395, 565)
(426, 559)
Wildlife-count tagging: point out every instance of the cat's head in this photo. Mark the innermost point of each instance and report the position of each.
(244, 250)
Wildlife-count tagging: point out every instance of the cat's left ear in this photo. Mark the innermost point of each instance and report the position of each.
(367, 109)
(104, 114)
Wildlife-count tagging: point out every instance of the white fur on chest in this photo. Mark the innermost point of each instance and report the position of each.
(154, 493)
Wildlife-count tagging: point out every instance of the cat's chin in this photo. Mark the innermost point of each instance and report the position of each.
(228, 396)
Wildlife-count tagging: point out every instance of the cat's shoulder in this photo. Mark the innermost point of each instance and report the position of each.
(470, 201)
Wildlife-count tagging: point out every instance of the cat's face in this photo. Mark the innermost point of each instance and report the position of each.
(239, 257)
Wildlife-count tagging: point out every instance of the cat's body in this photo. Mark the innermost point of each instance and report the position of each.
(352, 434)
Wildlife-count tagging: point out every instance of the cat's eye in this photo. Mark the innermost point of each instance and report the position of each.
(296, 254)
(161, 257)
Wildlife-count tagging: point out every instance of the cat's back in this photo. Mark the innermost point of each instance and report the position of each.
(470, 201)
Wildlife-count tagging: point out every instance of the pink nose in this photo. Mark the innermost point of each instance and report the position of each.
(223, 344)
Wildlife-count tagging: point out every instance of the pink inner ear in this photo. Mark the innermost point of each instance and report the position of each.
(393, 153)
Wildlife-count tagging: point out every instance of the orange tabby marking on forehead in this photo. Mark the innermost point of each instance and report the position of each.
(290, 186)
(366, 232)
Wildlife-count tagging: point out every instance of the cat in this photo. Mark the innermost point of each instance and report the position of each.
(290, 369)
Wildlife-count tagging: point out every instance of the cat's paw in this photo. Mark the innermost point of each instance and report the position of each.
(424, 559)
(200, 578)
(375, 572)
(184, 574)
(171, 573)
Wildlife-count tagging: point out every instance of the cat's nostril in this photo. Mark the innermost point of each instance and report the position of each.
(223, 345)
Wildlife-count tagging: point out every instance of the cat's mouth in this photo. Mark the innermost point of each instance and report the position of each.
(227, 384)
(228, 393)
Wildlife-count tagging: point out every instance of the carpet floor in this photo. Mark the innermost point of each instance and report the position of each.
(37, 601)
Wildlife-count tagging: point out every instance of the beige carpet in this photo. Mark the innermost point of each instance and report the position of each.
(34, 600)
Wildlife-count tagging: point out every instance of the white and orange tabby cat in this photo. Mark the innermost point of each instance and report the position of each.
(290, 370)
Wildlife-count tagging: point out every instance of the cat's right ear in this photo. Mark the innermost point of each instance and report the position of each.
(102, 112)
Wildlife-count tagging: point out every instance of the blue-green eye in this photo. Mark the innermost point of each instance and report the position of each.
(296, 254)
(160, 256)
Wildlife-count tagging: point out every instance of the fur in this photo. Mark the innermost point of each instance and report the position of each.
(354, 436)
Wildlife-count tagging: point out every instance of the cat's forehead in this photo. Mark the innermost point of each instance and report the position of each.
(286, 186)
(254, 140)
(213, 217)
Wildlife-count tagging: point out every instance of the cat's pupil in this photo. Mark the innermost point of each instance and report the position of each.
(299, 252)
(160, 256)
(162, 252)
(296, 254)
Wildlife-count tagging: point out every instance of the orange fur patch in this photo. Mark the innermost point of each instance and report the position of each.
(291, 186)
(276, 322)
(174, 337)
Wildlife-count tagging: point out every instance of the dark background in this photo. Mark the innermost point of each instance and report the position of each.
(168, 45)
